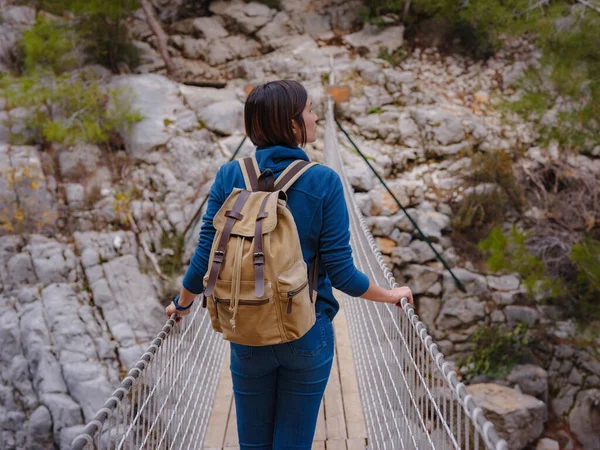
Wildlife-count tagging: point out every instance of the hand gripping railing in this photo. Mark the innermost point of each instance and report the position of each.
(411, 398)
(166, 399)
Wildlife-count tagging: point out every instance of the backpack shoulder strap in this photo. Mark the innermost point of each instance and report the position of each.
(294, 171)
(250, 172)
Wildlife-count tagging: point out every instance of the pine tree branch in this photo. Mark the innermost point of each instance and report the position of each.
(161, 36)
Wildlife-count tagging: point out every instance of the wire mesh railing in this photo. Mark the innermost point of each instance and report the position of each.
(411, 398)
(166, 399)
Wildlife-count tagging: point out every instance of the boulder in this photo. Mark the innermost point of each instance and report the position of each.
(420, 278)
(442, 126)
(385, 245)
(361, 180)
(518, 418)
(20, 17)
(381, 226)
(458, 311)
(531, 379)
(199, 98)
(584, 418)
(547, 444)
(516, 314)
(225, 117)
(20, 269)
(220, 51)
(423, 250)
(209, 27)
(64, 411)
(79, 161)
(428, 309)
(432, 223)
(316, 24)
(474, 283)
(247, 17)
(163, 112)
(53, 262)
(401, 256)
(277, 31)
(373, 39)
(39, 430)
(503, 283)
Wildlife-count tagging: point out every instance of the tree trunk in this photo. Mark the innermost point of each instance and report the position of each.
(161, 36)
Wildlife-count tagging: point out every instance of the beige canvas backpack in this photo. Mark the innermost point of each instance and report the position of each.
(257, 286)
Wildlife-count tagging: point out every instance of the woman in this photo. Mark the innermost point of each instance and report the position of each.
(278, 388)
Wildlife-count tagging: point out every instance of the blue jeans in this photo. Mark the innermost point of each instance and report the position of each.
(278, 389)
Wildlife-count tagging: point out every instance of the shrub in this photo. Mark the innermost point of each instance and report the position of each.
(577, 294)
(101, 27)
(394, 58)
(494, 189)
(172, 246)
(496, 350)
(510, 253)
(50, 45)
(67, 108)
(586, 287)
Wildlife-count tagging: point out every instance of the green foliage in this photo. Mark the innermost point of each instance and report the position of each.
(376, 110)
(171, 262)
(571, 52)
(101, 23)
(49, 44)
(579, 296)
(510, 253)
(496, 351)
(586, 289)
(477, 24)
(101, 28)
(394, 58)
(483, 208)
(67, 108)
(496, 167)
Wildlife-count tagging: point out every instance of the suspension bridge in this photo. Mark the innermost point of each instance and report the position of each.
(391, 387)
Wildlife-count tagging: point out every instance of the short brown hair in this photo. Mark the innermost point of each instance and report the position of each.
(269, 111)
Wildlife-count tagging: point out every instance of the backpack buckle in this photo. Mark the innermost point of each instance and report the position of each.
(218, 256)
(259, 258)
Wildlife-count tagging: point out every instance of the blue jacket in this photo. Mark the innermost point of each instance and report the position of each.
(317, 203)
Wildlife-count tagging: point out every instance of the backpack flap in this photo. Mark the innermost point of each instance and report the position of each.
(246, 226)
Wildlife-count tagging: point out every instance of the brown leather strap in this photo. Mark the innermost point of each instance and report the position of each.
(232, 216)
(266, 181)
(252, 175)
(259, 256)
(313, 278)
(284, 178)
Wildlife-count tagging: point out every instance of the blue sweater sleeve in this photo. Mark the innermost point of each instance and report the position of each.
(334, 244)
(192, 280)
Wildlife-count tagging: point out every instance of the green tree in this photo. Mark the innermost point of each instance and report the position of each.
(49, 44)
(102, 24)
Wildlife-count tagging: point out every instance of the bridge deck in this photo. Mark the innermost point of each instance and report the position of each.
(341, 424)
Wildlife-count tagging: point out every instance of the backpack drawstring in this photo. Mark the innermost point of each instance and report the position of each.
(236, 281)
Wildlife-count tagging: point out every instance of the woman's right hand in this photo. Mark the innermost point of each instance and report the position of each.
(399, 293)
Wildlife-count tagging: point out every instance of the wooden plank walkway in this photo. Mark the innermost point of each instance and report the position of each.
(341, 424)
